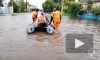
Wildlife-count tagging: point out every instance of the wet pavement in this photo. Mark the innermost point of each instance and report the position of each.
(16, 44)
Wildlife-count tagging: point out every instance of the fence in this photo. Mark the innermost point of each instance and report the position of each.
(5, 10)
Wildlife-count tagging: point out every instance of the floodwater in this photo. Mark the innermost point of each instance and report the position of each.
(16, 44)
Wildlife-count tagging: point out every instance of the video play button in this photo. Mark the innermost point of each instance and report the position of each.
(79, 43)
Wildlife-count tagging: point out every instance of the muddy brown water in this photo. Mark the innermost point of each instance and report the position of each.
(16, 44)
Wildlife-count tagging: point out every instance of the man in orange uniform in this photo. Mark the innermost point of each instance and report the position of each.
(34, 16)
(56, 17)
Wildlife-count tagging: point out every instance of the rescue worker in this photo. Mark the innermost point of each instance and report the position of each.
(34, 16)
(56, 17)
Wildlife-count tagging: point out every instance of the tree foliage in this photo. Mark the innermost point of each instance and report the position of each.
(48, 5)
(22, 5)
(15, 7)
(1, 2)
(90, 4)
(57, 1)
(74, 8)
(96, 11)
(18, 6)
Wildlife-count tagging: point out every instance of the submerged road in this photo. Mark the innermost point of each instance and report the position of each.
(16, 44)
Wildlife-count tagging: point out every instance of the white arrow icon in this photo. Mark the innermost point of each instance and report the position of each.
(78, 43)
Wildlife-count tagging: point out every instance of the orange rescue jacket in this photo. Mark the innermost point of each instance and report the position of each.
(56, 15)
(34, 16)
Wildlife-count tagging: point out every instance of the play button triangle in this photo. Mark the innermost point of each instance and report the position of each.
(78, 43)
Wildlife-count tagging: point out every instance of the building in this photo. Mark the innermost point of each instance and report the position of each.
(85, 3)
(5, 9)
(30, 7)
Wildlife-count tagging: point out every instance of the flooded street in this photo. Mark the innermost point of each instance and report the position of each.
(16, 44)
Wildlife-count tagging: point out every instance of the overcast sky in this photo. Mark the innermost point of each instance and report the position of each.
(33, 2)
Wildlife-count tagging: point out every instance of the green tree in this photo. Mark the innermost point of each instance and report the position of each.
(18, 6)
(96, 10)
(48, 5)
(74, 8)
(1, 2)
(90, 4)
(58, 4)
(57, 1)
(22, 5)
(15, 6)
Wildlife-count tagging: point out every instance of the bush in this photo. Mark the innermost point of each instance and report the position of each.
(82, 12)
(65, 10)
(65, 14)
(96, 11)
(48, 5)
(74, 8)
(33, 9)
(90, 4)
(13, 14)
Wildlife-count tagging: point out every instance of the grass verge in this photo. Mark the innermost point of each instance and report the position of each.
(15, 14)
(65, 14)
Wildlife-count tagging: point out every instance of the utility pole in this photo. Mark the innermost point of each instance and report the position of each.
(26, 5)
(12, 7)
(62, 5)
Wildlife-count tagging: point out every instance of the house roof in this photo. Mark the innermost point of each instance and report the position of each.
(31, 5)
